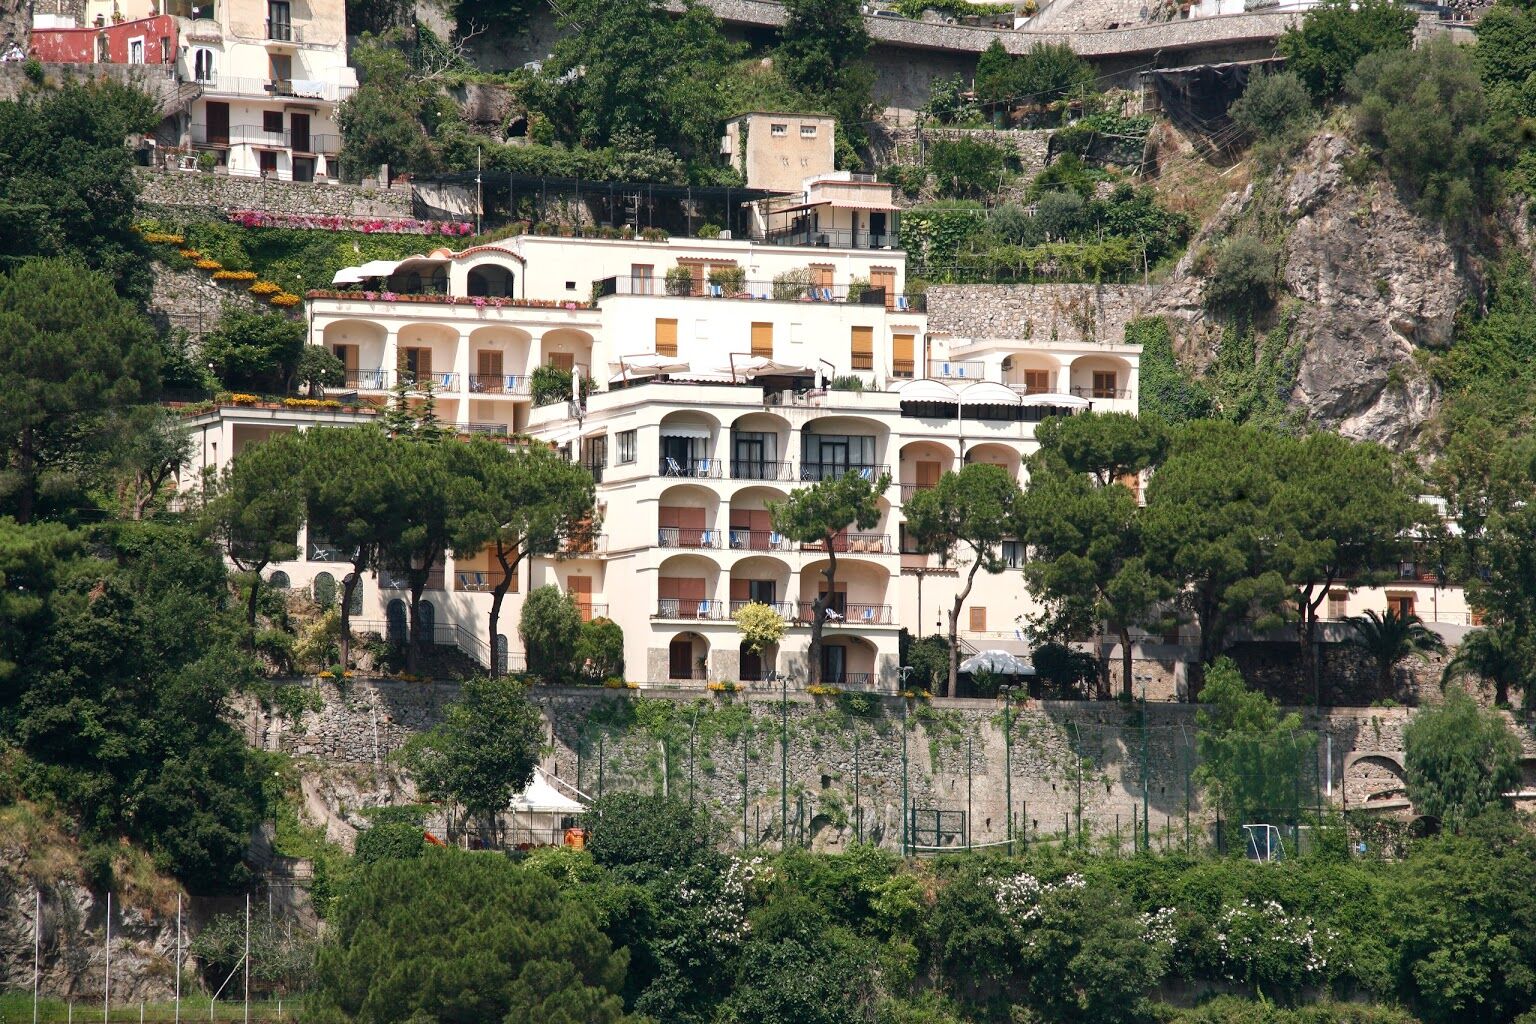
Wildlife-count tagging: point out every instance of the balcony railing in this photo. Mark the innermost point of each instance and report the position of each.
(399, 579)
(908, 490)
(1082, 392)
(498, 384)
(489, 429)
(850, 614)
(690, 608)
(477, 581)
(957, 369)
(833, 239)
(234, 85)
(698, 468)
(589, 611)
(320, 549)
(786, 609)
(847, 678)
(812, 471)
(757, 289)
(857, 544)
(687, 537)
(761, 469)
(284, 32)
(695, 674)
(759, 540)
(383, 380)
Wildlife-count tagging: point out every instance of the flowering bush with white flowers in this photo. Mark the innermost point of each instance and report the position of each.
(1021, 898)
(1158, 929)
(724, 910)
(1261, 943)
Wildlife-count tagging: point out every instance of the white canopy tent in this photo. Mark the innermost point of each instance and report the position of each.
(645, 364)
(542, 815)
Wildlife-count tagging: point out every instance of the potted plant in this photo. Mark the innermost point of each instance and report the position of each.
(730, 280)
(679, 281)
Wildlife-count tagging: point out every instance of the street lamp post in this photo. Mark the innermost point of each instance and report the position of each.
(783, 762)
(1146, 826)
(1007, 692)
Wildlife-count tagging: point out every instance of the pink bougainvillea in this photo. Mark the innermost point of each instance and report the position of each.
(365, 225)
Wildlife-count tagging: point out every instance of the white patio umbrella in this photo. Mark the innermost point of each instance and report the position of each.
(763, 366)
(1000, 662)
(646, 364)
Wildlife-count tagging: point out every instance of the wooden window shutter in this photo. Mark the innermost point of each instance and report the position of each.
(762, 339)
(978, 619)
(863, 348)
(902, 362)
(666, 336)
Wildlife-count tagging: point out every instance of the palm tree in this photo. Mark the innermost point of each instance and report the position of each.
(1391, 638)
(1491, 653)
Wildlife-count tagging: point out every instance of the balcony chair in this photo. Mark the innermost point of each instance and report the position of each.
(703, 610)
(867, 473)
(826, 295)
(673, 469)
(707, 538)
(701, 467)
(869, 615)
(901, 304)
(775, 540)
(740, 538)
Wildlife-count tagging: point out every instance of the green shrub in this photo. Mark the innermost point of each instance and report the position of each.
(679, 280)
(390, 841)
(1245, 274)
(1336, 35)
(1425, 110)
(550, 627)
(1273, 106)
(967, 168)
(792, 284)
(599, 651)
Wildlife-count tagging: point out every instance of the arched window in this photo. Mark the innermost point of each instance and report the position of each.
(355, 606)
(428, 622)
(324, 590)
(394, 622)
(501, 654)
(437, 281)
(202, 64)
(491, 280)
(278, 580)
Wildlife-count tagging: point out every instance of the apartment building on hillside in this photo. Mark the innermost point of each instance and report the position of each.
(709, 402)
(269, 72)
(711, 363)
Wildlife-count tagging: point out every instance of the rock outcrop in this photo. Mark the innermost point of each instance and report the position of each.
(1373, 281)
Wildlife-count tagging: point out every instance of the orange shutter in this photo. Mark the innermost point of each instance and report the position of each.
(884, 278)
(978, 619)
(902, 363)
(666, 336)
(762, 339)
(863, 348)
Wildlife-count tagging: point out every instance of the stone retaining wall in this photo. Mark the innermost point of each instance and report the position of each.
(194, 190)
(1046, 312)
(1069, 761)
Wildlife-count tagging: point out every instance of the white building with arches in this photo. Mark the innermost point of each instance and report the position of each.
(723, 374)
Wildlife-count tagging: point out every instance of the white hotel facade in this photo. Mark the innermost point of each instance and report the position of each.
(687, 461)
(710, 400)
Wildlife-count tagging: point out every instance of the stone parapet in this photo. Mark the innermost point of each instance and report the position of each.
(194, 190)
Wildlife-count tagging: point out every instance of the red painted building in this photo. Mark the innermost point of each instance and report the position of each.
(145, 41)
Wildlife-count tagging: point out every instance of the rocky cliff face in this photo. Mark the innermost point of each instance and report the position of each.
(1374, 283)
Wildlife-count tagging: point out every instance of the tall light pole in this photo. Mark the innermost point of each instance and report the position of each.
(784, 762)
(1007, 692)
(1146, 826)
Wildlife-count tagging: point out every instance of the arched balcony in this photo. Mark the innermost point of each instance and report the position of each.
(687, 517)
(760, 448)
(831, 446)
(498, 360)
(359, 344)
(1033, 373)
(751, 524)
(1101, 377)
(567, 348)
(860, 598)
(921, 464)
(848, 660)
(687, 446)
(688, 657)
(997, 454)
(763, 579)
(425, 354)
(686, 586)
(491, 280)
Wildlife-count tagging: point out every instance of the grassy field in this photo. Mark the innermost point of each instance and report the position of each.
(16, 1008)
